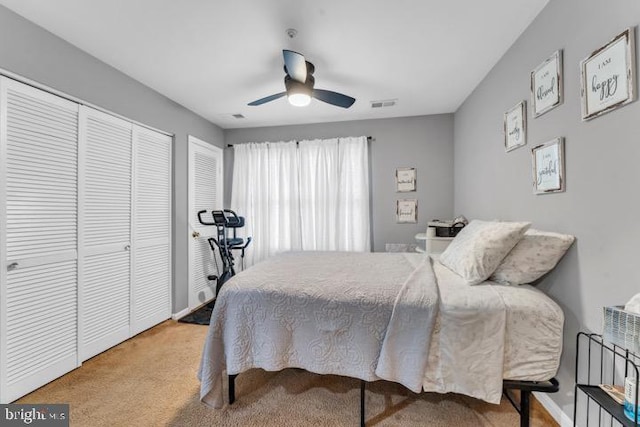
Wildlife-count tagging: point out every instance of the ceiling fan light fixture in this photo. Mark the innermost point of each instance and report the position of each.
(298, 93)
(299, 99)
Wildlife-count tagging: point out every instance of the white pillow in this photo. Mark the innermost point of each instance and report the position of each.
(533, 257)
(479, 248)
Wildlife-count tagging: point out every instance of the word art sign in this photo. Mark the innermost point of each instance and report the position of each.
(407, 211)
(546, 85)
(548, 167)
(405, 179)
(608, 76)
(515, 127)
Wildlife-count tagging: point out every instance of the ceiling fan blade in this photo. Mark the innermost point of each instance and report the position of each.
(333, 98)
(295, 65)
(267, 99)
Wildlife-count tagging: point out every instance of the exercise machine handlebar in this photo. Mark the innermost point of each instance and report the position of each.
(225, 217)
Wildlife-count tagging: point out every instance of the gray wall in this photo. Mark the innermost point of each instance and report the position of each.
(600, 206)
(32, 52)
(423, 142)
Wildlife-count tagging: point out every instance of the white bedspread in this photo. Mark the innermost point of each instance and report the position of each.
(366, 316)
(369, 316)
(468, 356)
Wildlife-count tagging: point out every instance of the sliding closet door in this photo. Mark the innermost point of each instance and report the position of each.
(105, 230)
(151, 280)
(38, 238)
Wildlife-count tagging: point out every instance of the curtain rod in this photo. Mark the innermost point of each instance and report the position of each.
(369, 138)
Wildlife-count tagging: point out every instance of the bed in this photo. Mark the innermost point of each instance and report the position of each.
(400, 317)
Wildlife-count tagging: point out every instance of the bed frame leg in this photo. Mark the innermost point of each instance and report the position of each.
(524, 408)
(526, 387)
(232, 388)
(362, 387)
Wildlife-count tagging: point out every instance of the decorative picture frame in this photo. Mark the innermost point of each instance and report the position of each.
(547, 85)
(405, 180)
(608, 76)
(515, 126)
(548, 167)
(407, 211)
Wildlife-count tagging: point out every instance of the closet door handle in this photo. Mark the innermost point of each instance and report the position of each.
(12, 266)
(127, 248)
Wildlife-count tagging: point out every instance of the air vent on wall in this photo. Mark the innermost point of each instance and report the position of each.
(384, 103)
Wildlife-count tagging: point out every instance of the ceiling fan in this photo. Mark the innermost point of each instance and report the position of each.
(299, 82)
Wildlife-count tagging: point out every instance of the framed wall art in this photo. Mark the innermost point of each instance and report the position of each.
(515, 127)
(405, 180)
(608, 76)
(548, 167)
(546, 85)
(407, 211)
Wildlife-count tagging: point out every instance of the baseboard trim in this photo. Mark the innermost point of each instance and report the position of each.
(180, 314)
(553, 409)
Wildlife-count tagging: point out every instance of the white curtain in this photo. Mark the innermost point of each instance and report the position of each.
(353, 196)
(309, 196)
(266, 193)
(319, 189)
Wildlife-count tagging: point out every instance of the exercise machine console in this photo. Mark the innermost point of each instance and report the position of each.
(225, 243)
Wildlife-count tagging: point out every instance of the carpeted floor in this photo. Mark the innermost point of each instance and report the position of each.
(150, 380)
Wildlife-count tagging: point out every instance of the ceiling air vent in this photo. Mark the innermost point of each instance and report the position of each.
(238, 116)
(384, 103)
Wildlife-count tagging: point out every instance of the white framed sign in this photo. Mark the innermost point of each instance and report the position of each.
(405, 180)
(407, 211)
(546, 85)
(548, 167)
(515, 127)
(608, 76)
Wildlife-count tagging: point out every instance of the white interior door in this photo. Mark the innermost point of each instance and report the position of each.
(105, 230)
(151, 280)
(205, 192)
(38, 238)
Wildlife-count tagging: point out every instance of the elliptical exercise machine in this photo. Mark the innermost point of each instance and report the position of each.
(224, 220)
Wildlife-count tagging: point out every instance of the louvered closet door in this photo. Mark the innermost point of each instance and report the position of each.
(105, 230)
(38, 238)
(151, 281)
(205, 192)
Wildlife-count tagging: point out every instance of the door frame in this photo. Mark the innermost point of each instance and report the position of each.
(192, 142)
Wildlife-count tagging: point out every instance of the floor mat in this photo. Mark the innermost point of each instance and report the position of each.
(201, 316)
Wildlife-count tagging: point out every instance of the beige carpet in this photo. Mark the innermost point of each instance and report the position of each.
(150, 380)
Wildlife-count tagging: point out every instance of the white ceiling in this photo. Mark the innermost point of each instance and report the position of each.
(214, 57)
